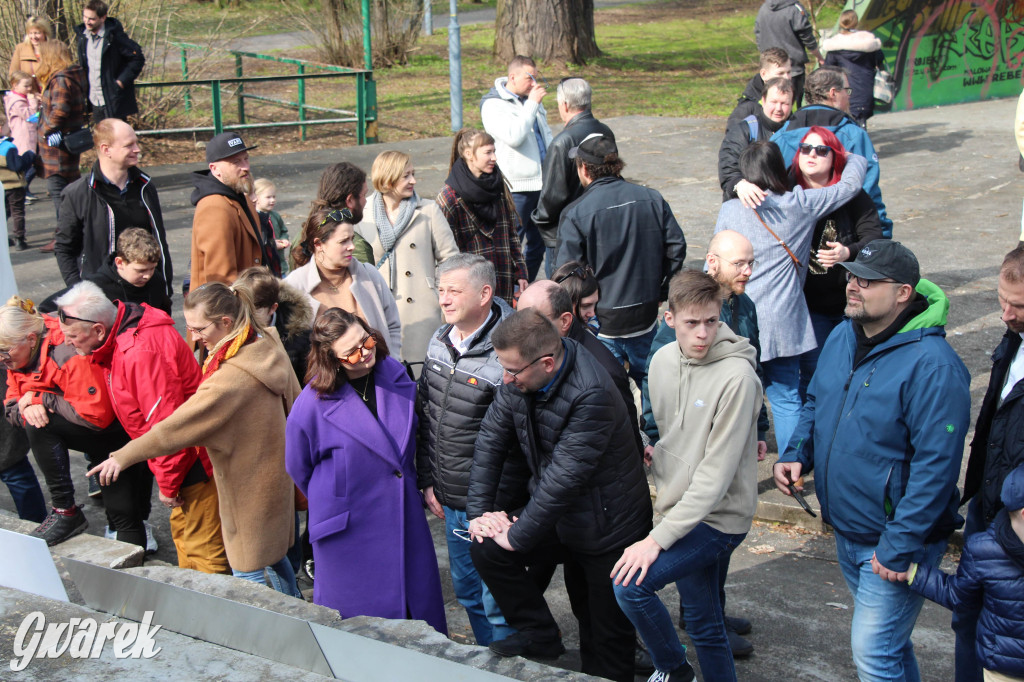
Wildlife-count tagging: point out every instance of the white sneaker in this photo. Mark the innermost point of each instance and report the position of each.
(151, 545)
(109, 534)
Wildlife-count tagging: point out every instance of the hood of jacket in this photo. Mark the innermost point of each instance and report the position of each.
(206, 185)
(776, 5)
(818, 115)
(754, 89)
(131, 318)
(264, 359)
(499, 91)
(937, 311)
(857, 41)
(294, 313)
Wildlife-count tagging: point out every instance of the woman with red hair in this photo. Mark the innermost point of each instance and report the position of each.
(838, 237)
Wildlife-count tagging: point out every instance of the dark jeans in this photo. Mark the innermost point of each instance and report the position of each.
(24, 487)
(127, 500)
(529, 236)
(55, 184)
(607, 639)
(965, 623)
(16, 211)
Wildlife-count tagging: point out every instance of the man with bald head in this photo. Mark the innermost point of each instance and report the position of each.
(554, 303)
(730, 261)
(98, 207)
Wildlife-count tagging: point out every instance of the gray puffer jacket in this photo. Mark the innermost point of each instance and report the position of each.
(454, 394)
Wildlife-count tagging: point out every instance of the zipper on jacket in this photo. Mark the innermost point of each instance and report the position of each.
(156, 235)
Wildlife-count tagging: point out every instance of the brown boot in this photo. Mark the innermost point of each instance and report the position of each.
(49, 246)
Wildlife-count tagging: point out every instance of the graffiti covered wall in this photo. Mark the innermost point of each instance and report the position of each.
(948, 51)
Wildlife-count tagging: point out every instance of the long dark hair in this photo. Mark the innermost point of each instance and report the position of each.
(324, 371)
(578, 281)
(321, 225)
(761, 163)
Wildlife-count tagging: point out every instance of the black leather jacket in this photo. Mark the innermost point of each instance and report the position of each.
(561, 183)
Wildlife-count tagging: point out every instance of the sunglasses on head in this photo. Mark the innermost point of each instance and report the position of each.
(337, 215)
(819, 149)
(579, 271)
(356, 356)
(65, 318)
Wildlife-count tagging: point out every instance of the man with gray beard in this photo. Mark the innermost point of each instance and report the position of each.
(226, 237)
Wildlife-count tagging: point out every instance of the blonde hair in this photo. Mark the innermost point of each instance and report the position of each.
(40, 23)
(220, 300)
(18, 75)
(388, 168)
(54, 56)
(848, 20)
(18, 319)
(262, 185)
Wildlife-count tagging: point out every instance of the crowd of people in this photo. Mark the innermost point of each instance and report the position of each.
(405, 356)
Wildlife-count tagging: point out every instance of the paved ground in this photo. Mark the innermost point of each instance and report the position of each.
(951, 184)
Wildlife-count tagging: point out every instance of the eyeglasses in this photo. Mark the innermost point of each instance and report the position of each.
(739, 264)
(819, 149)
(198, 331)
(865, 283)
(65, 318)
(337, 215)
(356, 356)
(579, 271)
(515, 374)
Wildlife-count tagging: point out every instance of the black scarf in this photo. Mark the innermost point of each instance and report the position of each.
(482, 195)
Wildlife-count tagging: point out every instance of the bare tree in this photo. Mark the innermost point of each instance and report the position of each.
(551, 30)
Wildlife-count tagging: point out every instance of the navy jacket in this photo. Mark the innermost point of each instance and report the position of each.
(121, 59)
(990, 578)
(885, 436)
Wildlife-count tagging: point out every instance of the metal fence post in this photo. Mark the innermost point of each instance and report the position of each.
(241, 89)
(302, 100)
(184, 77)
(455, 66)
(218, 123)
(361, 108)
(428, 18)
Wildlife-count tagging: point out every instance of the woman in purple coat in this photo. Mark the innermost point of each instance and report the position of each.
(351, 448)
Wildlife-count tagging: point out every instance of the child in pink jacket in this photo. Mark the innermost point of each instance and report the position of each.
(21, 106)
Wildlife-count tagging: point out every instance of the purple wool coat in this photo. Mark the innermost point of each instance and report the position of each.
(373, 550)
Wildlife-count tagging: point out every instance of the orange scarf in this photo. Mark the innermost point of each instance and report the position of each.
(227, 351)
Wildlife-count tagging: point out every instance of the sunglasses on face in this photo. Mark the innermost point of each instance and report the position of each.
(66, 319)
(578, 271)
(356, 356)
(337, 215)
(819, 149)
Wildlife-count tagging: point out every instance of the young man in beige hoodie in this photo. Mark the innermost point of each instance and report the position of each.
(706, 397)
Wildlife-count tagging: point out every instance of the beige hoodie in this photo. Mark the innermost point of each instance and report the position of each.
(705, 465)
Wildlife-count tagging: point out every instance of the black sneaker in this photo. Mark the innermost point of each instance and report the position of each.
(21, 245)
(95, 491)
(683, 673)
(740, 646)
(740, 626)
(519, 644)
(57, 527)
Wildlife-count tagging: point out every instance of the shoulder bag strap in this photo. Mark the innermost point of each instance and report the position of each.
(796, 261)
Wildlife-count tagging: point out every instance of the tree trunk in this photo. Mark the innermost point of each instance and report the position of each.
(550, 30)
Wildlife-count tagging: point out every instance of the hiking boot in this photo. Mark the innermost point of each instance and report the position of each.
(519, 644)
(21, 244)
(683, 673)
(61, 525)
(740, 626)
(740, 646)
(95, 491)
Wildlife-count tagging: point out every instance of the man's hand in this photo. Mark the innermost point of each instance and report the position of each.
(786, 473)
(762, 450)
(170, 502)
(638, 557)
(648, 455)
(537, 93)
(108, 471)
(120, 84)
(502, 540)
(432, 504)
(885, 574)
(522, 285)
(35, 415)
(750, 195)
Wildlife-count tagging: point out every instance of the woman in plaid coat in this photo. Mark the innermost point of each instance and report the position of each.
(479, 208)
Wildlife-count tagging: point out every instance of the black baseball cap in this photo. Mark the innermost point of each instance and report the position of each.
(594, 149)
(886, 259)
(224, 145)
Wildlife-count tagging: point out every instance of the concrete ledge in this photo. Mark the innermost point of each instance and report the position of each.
(85, 547)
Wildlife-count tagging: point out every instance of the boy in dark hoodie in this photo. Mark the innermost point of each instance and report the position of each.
(990, 577)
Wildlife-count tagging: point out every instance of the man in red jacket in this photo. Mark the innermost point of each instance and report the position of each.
(150, 371)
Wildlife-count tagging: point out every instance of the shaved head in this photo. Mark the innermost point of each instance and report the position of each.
(730, 260)
(551, 301)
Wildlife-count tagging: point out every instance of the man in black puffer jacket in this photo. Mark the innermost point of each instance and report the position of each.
(589, 497)
(561, 182)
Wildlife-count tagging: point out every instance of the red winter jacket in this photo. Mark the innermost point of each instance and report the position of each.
(150, 371)
(62, 381)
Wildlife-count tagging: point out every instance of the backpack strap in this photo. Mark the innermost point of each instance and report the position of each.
(753, 126)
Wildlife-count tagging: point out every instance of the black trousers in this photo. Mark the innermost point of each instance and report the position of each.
(122, 500)
(798, 90)
(607, 638)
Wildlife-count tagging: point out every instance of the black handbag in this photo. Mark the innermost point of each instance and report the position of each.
(78, 141)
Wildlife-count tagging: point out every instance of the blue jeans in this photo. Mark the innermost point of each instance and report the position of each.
(484, 615)
(822, 325)
(280, 576)
(529, 236)
(633, 350)
(965, 623)
(782, 386)
(884, 614)
(693, 564)
(24, 487)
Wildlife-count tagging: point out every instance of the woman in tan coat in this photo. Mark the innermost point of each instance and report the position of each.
(238, 414)
(26, 53)
(409, 237)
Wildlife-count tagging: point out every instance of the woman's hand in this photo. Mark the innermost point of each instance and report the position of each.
(282, 243)
(749, 194)
(108, 471)
(170, 502)
(835, 253)
(638, 557)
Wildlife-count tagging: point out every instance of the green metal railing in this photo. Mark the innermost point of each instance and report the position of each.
(364, 116)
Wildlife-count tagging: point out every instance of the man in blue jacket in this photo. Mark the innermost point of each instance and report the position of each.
(883, 429)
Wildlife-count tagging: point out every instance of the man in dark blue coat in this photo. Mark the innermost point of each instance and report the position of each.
(111, 60)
